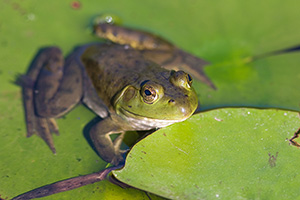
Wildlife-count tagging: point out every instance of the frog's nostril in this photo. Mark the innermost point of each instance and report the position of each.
(171, 101)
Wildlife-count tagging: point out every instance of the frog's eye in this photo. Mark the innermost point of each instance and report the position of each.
(189, 80)
(181, 79)
(149, 94)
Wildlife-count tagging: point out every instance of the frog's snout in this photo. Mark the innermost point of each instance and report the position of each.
(186, 111)
(184, 106)
(185, 99)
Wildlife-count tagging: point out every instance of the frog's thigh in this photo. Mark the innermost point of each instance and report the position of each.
(58, 87)
(100, 135)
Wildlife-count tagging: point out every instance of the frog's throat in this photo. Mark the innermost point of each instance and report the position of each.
(138, 122)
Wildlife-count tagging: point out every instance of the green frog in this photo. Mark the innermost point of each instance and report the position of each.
(134, 81)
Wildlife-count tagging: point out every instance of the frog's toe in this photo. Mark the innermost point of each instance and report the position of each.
(24, 81)
(52, 125)
(44, 128)
(124, 152)
(118, 161)
(119, 158)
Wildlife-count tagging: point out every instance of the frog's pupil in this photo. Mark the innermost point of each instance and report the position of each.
(189, 78)
(147, 92)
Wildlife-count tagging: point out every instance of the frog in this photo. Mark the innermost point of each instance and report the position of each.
(134, 81)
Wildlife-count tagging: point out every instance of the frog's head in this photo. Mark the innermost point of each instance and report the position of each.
(157, 104)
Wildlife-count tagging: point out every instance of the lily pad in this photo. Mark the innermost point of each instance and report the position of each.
(222, 32)
(266, 83)
(225, 153)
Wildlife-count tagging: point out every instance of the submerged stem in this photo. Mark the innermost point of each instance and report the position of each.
(66, 185)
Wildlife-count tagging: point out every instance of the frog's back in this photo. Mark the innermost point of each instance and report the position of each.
(111, 67)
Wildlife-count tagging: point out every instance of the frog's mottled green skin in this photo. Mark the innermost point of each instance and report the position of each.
(129, 85)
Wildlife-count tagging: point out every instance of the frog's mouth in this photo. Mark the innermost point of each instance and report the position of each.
(140, 122)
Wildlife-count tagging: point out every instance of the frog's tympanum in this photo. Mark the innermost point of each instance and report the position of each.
(133, 82)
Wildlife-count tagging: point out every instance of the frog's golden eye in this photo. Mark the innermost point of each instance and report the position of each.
(189, 80)
(149, 94)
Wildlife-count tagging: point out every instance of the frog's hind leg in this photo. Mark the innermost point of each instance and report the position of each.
(36, 124)
(49, 93)
(156, 49)
(137, 39)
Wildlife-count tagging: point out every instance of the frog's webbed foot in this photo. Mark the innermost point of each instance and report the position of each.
(50, 89)
(120, 153)
(107, 149)
(192, 65)
(177, 59)
(43, 127)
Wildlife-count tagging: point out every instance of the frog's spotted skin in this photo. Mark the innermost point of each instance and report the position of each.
(130, 85)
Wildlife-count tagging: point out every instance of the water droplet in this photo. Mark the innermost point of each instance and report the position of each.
(108, 18)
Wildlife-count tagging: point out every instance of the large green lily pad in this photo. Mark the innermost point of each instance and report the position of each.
(225, 153)
(264, 83)
(226, 33)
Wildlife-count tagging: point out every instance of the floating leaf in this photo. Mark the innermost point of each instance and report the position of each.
(222, 32)
(225, 153)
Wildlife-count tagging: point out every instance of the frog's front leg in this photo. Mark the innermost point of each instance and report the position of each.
(108, 150)
(50, 89)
